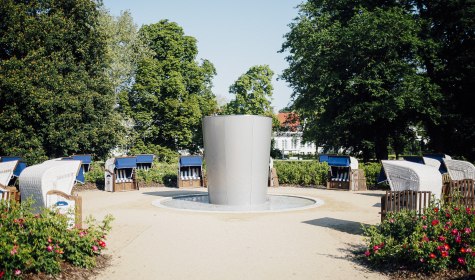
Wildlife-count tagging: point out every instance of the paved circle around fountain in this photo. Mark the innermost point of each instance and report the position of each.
(274, 203)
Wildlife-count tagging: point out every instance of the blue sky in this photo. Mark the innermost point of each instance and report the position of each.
(233, 35)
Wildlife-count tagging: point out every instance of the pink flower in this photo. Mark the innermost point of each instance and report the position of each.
(447, 215)
(367, 253)
(14, 251)
(468, 210)
(424, 227)
(95, 248)
(446, 246)
(421, 260)
(50, 240)
(17, 272)
(49, 248)
(391, 220)
(467, 230)
(375, 247)
(456, 209)
(425, 238)
(441, 238)
(469, 250)
(424, 217)
(82, 234)
(461, 261)
(458, 239)
(435, 222)
(455, 231)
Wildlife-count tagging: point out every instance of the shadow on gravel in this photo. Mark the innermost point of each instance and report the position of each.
(350, 227)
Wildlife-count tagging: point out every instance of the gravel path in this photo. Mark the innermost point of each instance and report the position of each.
(148, 242)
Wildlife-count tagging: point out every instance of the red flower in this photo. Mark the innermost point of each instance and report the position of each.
(17, 272)
(461, 261)
(444, 254)
(435, 222)
(455, 231)
(446, 246)
(447, 215)
(432, 256)
(103, 244)
(442, 238)
(456, 209)
(425, 238)
(367, 253)
(463, 250)
(436, 209)
(49, 248)
(468, 210)
(2, 273)
(375, 248)
(467, 230)
(458, 239)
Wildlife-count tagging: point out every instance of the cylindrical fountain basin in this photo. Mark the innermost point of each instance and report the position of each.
(237, 150)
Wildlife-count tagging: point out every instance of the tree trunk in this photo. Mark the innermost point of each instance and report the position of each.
(381, 147)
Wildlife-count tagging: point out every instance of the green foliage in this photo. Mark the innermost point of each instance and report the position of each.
(162, 154)
(302, 172)
(161, 173)
(371, 171)
(357, 74)
(40, 242)
(172, 92)
(96, 173)
(252, 92)
(55, 99)
(440, 239)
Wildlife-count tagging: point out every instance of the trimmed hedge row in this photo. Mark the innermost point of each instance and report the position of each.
(316, 173)
(302, 172)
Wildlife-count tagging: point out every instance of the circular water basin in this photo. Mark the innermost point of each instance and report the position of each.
(273, 203)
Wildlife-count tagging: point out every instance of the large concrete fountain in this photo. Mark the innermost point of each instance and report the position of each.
(237, 151)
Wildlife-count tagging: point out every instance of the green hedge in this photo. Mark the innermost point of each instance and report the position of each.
(371, 170)
(301, 172)
(161, 173)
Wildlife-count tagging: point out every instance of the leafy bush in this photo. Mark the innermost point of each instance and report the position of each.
(371, 170)
(302, 172)
(96, 173)
(162, 154)
(40, 242)
(161, 173)
(442, 238)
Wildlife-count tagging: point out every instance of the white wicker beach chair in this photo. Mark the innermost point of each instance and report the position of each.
(37, 180)
(405, 175)
(459, 169)
(6, 173)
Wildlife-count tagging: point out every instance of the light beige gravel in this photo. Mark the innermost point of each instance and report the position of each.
(148, 242)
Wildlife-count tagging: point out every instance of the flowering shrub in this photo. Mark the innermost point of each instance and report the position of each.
(40, 242)
(441, 238)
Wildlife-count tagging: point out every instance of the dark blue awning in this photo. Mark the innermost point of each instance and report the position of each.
(416, 159)
(145, 158)
(86, 159)
(125, 162)
(341, 161)
(191, 161)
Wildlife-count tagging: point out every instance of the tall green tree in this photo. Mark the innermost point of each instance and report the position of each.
(55, 96)
(358, 79)
(125, 49)
(172, 91)
(252, 92)
(451, 24)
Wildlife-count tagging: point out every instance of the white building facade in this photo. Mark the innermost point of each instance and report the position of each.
(290, 143)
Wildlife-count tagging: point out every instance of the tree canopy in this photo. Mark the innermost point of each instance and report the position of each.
(55, 98)
(252, 92)
(358, 73)
(172, 91)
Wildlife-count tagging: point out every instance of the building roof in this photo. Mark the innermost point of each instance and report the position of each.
(289, 120)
